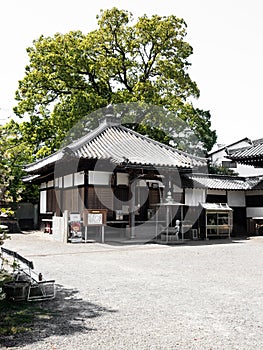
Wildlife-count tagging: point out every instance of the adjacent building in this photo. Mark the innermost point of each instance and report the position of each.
(219, 156)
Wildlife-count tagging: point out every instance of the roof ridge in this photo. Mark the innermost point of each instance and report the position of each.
(217, 175)
(91, 135)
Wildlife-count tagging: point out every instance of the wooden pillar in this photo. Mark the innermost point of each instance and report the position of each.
(132, 211)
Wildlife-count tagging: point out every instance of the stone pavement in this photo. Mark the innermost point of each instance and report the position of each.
(204, 295)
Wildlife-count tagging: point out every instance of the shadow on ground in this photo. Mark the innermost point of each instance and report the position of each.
(200, 242)
(34, 321)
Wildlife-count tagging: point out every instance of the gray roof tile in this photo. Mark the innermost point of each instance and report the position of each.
(222, 182)
(216, 182)
(253, 151)
(118, 143)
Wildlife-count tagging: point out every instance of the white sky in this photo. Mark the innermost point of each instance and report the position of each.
(226, 36)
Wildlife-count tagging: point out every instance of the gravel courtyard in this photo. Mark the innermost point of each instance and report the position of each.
(204, 295)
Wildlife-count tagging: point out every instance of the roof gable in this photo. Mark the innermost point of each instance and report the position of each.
(231, 146)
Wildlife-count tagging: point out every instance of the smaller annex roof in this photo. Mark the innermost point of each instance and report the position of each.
(215, 182)
(120, 144)
(222, 182)
(229, 146)
(255, 182)
(250, 155)
(216, 206)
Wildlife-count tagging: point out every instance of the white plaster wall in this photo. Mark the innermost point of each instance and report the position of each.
(236, 198)
(254, 212)
(43, 202)
(194, 196)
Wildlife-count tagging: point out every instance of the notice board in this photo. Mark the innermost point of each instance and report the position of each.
(95, 217)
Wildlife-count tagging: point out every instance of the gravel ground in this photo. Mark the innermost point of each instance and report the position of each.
(203, 295)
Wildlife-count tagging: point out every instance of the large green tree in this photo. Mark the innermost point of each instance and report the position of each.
(70, 75)
(15, 153)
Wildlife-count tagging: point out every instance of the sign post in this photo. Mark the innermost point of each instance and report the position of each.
(95, 217)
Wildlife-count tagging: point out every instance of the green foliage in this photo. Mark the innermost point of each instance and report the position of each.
(4, 277)
(221, 170)
(19, 317)
(70, 75)
(3, 236)
(15, 153)
(3, 228)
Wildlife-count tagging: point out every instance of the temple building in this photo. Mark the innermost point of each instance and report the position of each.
(144, 188)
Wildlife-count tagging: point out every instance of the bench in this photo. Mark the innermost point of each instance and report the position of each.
(26, 284)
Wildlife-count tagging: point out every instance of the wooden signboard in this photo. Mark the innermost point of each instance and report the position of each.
(94, 217)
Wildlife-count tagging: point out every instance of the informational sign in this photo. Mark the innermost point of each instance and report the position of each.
(74, 217)
(95, 217)
(75, 227)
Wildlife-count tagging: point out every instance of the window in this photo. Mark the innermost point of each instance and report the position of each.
(122, 179)
(217, 219)
(68, 180)
(43, 202)
(222, 219)
(79, 178)
(211, 219)
(218, 223)
(99, 178)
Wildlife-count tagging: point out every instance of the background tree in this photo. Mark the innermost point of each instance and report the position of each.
(70, 75)
(15, 153)
(221, 170)
(5, 197)
(5, 172)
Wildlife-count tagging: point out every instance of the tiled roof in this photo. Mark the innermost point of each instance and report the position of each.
(222, 182)
(120, 144)
(255, 182)
(253, 151)
(224, 147)
(216, 206)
